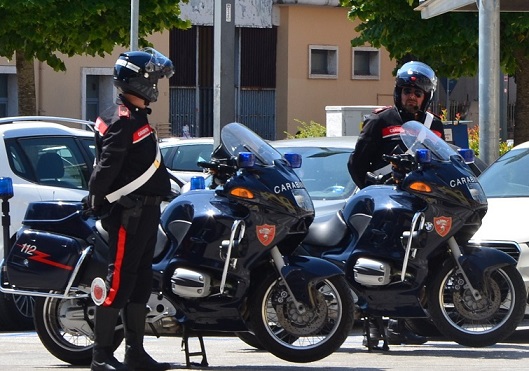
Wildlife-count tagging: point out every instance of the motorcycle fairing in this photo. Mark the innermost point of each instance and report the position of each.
(478, 262)
(302, 271)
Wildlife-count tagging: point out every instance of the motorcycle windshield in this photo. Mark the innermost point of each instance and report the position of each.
(237, 138)
(416, 136)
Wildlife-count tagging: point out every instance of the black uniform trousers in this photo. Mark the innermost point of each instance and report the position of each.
(132, 240)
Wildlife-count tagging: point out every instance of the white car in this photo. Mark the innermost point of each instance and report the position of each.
(46, 160)
(181, 155)
(506, 184)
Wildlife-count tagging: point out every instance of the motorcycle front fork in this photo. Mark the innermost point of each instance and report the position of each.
(456, 253)
(279, 262)
(417, 225)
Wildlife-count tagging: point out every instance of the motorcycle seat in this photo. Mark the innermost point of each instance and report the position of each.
(326, 230)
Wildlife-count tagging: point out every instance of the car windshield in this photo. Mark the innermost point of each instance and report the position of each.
(507, 176)
(324, 172)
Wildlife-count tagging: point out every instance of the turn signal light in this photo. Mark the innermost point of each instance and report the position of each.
(242, 193)
(420, 187)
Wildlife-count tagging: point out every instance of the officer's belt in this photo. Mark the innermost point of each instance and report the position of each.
(138, 182)
(133, 199)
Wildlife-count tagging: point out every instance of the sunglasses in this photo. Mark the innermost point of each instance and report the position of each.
(418, 93)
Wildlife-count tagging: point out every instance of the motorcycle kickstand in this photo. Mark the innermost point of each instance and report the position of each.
(185, 345)
(379, 323)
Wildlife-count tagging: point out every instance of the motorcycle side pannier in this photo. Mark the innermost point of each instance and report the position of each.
(43, 260)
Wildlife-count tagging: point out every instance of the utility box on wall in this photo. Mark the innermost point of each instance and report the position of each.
(346, 120)
(456, 133)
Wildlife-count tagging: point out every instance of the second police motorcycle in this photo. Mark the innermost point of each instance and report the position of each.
(223, 263)
(404, 248)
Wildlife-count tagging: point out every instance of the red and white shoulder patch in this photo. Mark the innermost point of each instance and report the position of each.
(391, 131)
(101, 126)
(142, 133)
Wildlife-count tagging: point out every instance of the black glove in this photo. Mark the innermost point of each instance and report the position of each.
(92, 205)
(372, 179)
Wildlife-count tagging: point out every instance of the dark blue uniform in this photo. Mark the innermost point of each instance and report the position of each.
(126, 146)
(380, 135)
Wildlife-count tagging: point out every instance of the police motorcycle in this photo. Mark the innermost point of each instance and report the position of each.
(223, 263)
(403, 247)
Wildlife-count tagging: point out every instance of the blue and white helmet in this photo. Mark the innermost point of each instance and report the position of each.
(418, 75)
(138, 72)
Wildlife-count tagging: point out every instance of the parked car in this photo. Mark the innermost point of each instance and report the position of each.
(506, 184)
(181, 155)
(46, 160)
(324, 169)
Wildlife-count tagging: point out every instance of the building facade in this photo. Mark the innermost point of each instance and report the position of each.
(294, 58)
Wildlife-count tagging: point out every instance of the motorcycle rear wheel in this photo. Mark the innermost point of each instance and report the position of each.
(308, 336)
(65, 328)
(477, 323)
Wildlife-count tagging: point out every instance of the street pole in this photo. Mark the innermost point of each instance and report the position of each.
(489, 80)
(134, 19)
(223, 66)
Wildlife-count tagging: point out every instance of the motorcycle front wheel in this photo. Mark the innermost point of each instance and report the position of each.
(477, 323)
(306, 336)
(65, 328)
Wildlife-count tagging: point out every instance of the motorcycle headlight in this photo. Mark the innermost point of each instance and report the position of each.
(477, 193)
(303, 199)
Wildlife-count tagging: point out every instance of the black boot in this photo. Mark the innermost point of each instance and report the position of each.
(373, 333)
(136, 358)
(103, 354)
(399, 333)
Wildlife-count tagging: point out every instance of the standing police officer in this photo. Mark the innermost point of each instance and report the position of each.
(414, 89)
(127, 186)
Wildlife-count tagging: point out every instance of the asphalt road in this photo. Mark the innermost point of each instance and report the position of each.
(23, 351)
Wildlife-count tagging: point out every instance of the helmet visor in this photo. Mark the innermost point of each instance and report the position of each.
(159, 64)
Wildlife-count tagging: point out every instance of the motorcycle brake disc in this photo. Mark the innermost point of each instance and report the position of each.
(477, 310)
(302, 324)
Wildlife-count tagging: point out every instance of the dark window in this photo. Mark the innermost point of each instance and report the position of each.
(258, 57)
(3, 95)
(92, 97)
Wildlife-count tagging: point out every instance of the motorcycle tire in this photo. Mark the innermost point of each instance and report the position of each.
(16, 312)
(302, 337)
(477, 323)
(423, 327)
(250, 339)
(65, 328)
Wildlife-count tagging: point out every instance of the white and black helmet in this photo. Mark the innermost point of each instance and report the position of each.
(138, 72)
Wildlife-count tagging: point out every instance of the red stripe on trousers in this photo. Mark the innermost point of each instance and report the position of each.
(116, 275)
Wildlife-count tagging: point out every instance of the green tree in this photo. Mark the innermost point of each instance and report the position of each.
(448, 43)
(41, 29)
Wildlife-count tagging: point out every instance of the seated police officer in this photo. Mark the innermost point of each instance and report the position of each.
(415, 85)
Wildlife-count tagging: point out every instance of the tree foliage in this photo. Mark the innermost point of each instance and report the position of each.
(43, 28)
(447, 42)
